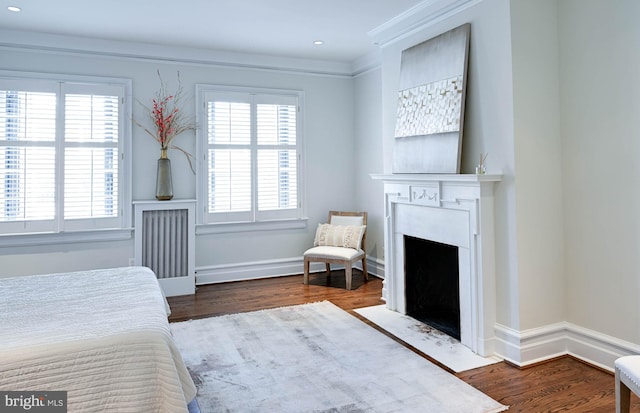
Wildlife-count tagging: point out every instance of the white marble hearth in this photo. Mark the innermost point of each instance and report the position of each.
(455, 210)
(435, 344)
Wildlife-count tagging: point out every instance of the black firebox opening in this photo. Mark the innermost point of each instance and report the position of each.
(432, 284)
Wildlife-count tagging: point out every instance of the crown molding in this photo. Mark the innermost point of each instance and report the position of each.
(72, 45)
(422, 15)
(367, 63)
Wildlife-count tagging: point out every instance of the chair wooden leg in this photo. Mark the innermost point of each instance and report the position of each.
(364, 269)
(327, 266)
(623, 396)
(347, 275)
(306, 272)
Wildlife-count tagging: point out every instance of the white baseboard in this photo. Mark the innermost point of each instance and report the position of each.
(544, 343)
(531, 346)
(267, 269)
(375, 267)
(596, 348)
(247, 271)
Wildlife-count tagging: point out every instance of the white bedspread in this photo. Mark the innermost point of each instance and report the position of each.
(102, 336)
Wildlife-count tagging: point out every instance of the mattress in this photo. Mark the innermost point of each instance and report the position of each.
(102, 336)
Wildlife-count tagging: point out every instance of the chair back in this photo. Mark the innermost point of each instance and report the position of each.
(350, 218)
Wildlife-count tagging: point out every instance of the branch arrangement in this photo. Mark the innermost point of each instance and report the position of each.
(167, 118)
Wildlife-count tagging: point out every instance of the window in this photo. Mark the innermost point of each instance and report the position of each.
(250, 143)
(60, 156)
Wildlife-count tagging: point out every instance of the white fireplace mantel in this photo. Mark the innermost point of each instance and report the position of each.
(454, 209)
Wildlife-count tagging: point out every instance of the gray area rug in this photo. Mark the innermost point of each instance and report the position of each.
(314, 358)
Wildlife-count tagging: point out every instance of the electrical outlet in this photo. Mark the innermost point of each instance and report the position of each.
(132, 262)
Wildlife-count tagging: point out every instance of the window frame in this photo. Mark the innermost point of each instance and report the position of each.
(250, 221)
(80, 230)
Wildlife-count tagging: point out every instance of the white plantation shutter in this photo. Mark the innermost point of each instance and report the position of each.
(27, 158)
(277, 156)
(59, 155)
(91, 156)
(252, 154)
(229, 180)
(229, 157)
(277, 124)
(229, 123)
(277, 188)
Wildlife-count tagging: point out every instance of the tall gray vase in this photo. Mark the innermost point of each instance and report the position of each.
(164, 187)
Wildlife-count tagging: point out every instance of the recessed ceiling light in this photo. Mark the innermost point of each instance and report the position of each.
(14, 8)
(318, 42)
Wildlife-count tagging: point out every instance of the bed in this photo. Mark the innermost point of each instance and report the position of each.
(102, 336)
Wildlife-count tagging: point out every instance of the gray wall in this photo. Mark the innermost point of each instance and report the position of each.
(600, 112)
(538, 163)
(577, 145)
(328, 159)
(368, 193)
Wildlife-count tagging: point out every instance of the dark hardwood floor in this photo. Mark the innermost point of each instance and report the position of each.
(561, 385)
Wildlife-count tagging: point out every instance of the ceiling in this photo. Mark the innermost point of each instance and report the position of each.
(284, 28)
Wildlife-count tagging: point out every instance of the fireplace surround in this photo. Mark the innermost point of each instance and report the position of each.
(452, 209)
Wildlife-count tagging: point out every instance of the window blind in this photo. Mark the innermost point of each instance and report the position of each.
(91, 156)
(277, 178)
(252, 155)
(59, 156)
(229, 156)
(27, 155)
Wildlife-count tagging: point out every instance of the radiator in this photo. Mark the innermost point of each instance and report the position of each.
(165, 242)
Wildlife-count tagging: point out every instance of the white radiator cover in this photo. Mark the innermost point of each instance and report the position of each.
(165, 242)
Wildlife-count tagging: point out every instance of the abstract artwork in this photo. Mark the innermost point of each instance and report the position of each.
(429, 109)
(430, 114)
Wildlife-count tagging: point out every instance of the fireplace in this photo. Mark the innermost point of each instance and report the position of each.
(453, 210)
(432, 291)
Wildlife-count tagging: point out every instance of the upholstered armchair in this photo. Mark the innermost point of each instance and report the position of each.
(340, 241)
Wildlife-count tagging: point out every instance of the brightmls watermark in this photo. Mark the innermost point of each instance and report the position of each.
(33, 401)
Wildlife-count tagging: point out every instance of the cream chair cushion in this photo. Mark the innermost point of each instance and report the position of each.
(328, 252)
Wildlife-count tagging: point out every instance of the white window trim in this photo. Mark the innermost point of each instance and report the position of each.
(81, 236)
(68, 237)
(201, 164)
